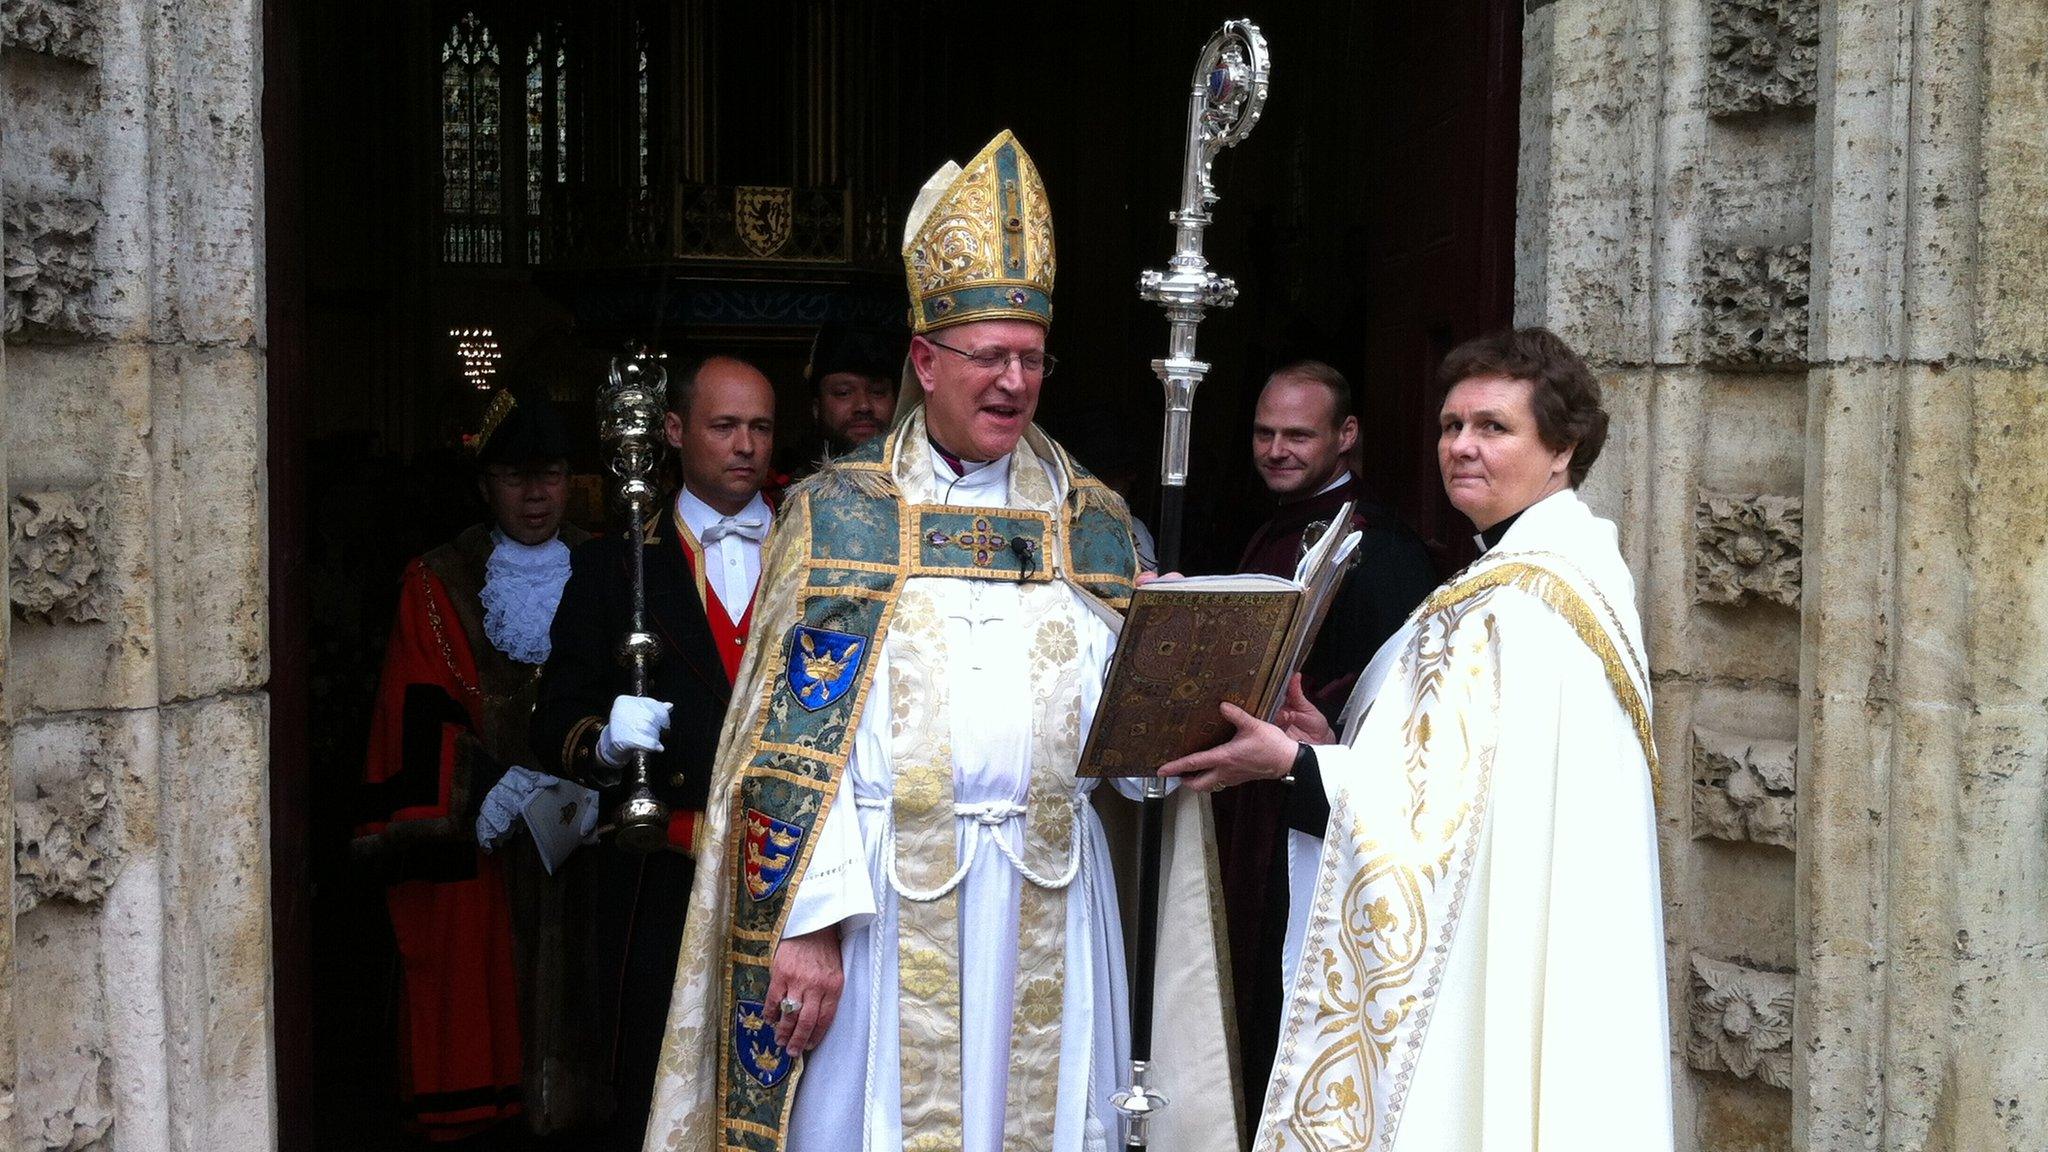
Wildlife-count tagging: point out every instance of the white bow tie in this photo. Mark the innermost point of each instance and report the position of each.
(755, 529)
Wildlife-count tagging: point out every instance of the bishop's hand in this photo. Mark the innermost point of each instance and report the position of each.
(1255, 751)
(804, 981)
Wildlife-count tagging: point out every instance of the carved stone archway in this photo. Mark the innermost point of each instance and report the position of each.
(134, 925)
(1803, 244)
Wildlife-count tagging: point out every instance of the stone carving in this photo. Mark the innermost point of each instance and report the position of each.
(48, 260)
(1747, 546)
(58, 27)
(1753, 304)
(53, 562)
(81, 1113)
(61, 844)
(1741, 1021)
(1742, 789)
(1762, 54)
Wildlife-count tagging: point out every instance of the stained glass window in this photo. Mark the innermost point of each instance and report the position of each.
(473, 231)
(640, 38)
(536, 124)
(536, 141)
(544, 97)
(561, 108)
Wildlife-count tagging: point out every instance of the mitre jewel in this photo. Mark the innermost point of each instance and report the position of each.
(978, 242)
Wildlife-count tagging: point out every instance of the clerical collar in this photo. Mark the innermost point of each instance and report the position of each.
(701, 516)
(961, 468)
(1491, 538)
(970, 481)
(1342, 478)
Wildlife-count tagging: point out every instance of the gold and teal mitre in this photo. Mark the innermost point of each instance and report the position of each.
(978, 242)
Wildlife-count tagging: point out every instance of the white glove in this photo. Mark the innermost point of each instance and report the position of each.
(502, 804)
(636, 726)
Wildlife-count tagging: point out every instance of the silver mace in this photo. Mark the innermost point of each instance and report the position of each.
(629, 414)
(1224, 103)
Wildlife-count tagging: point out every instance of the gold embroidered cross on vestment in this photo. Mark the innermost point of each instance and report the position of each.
(980, 538)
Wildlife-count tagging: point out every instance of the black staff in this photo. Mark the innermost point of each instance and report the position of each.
(1224, 103)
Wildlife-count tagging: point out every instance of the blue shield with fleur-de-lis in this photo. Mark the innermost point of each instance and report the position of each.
(823, 665)
(754, 1043)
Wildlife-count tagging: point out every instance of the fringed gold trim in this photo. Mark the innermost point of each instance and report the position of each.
(1556, 592)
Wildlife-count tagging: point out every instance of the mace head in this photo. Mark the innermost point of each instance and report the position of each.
(630, 405)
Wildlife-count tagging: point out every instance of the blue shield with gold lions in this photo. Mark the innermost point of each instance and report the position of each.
(771, 848)
(754, 1043)
(823, 665)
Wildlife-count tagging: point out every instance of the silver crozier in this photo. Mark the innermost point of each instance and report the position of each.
(1224, 103)
(629, 413)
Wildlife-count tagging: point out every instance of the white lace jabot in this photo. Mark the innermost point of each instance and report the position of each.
(522, 587)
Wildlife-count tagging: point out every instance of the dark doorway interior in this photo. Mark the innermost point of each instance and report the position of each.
(587, 199)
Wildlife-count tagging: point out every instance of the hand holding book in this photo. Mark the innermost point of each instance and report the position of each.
(1301, 719)
(1190, 645)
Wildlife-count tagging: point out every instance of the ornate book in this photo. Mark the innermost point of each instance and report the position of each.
(1187, 646)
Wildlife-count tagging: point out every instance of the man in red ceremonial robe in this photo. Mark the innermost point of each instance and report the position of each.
(703, 558)
(1302, 433)
(483, 951)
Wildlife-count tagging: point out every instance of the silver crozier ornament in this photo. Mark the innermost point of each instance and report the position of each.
(1224, 103)
(629, 413)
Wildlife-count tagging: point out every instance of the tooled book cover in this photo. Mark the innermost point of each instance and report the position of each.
(1182, 653)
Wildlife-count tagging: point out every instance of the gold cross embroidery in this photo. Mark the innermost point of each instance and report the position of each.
(980, 538)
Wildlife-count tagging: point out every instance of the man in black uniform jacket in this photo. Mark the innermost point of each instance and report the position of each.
(702, 556)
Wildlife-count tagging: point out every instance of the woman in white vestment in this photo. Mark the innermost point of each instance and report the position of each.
(1476, 954)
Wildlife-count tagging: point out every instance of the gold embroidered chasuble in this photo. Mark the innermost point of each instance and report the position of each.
(1482, 965)
(925, 867)
(700, 1103)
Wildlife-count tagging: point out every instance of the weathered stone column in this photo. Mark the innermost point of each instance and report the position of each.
(1924, 941)
(134, 706)
(8, 1062)
(1806, 246)
(1664, 222)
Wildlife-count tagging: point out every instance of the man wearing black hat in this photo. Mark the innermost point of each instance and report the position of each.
(486, 956)
(853, 376)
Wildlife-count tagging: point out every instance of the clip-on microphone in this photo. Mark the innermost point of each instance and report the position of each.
(1027, 557)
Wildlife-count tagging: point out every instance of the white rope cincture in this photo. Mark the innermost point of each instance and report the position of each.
(989, 817)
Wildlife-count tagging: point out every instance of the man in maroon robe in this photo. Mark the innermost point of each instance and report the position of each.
(1303, 432)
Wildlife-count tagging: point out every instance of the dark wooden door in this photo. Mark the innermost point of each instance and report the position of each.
(1370, 223)
(1440, 79)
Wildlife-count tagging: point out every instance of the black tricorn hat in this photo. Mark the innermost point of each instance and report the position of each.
(874, 352)
(521, 427)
